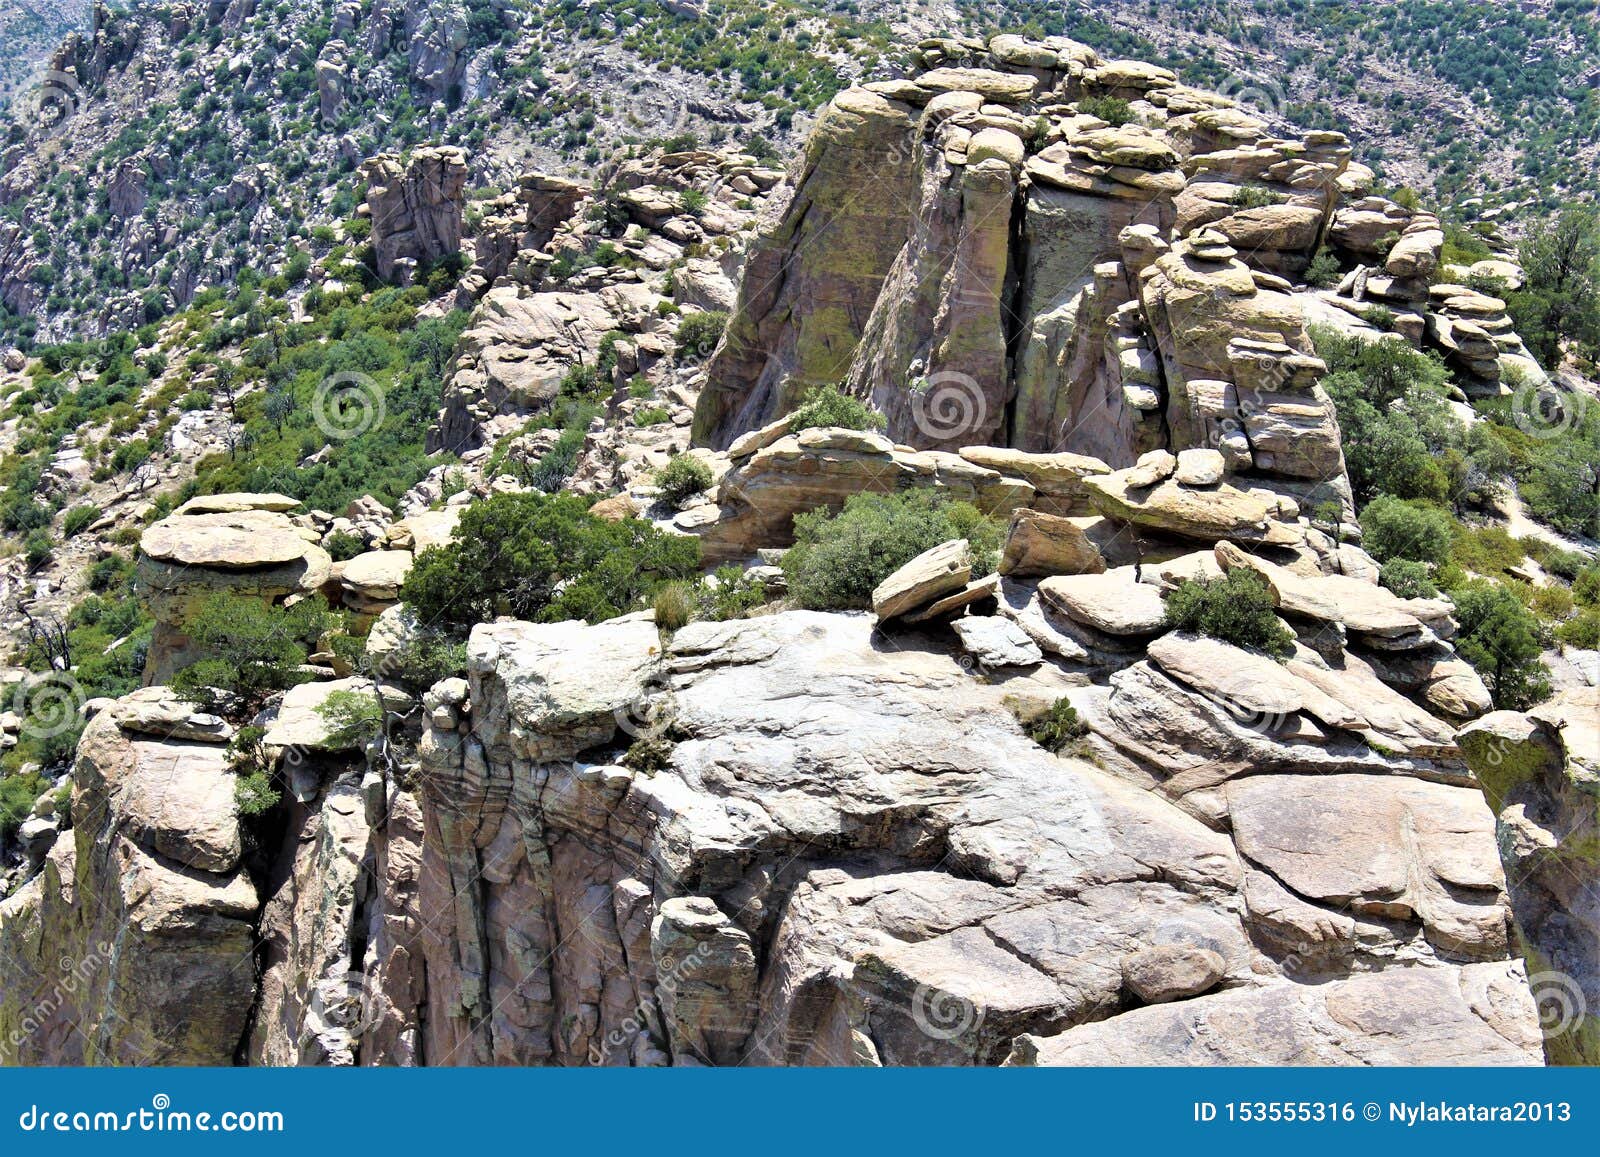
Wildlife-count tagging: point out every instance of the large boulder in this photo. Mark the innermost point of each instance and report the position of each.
(1540, 772)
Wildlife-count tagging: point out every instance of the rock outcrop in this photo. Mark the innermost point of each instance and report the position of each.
(240, 544)
(1541, 775)
(134, 945)
(1028, 275)
(416, 208)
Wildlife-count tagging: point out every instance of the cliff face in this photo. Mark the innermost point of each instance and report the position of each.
(987, 260)
(845, 853)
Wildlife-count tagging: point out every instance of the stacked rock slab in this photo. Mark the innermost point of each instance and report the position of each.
(134, 944)
(1034, 277)
(240, 544)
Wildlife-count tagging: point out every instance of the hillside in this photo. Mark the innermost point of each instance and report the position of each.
(985, 552)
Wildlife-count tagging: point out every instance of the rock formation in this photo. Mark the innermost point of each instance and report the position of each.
(415, 208)
(1541, 774)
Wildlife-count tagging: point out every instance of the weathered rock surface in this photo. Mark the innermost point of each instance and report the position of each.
(1541, 775)
(133, 945)
(416, 208)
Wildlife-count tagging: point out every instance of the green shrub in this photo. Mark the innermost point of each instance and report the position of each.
(1582, 631)
(838, 559)
(342, 546)
(424, 658)
(1393, 528)
(827, 406)
(351, 717)
(17, 795)
(1407, 579)
(1111, 109)
(254, 792)
(545, 558)
(1057, 727)
(1236, 608)
(1586, 587)
(252, 648)
(682, 478)
(1255, 197)
(79, 519)
(39, 547)
(1324, 271)
(698, 333)
(651, 416)
(1500, 637)
(1485, 550)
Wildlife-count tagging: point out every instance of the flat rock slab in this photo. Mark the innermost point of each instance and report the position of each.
(1114, 602)
(239, 540)
(996, 642)
(1478, 1015)
(930, 576)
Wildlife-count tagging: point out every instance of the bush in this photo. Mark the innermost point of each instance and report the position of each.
(1323, 272)
(1111, 109)
(1057, 727)
(252, 648)
(545, 558)
(827, 406)
(342, 546)
(698, 333)
(651, 416)
(838, 559)
(674, 606)
(682, 478)
(351, 717)
(1586, 587)
(254, 793)
(1500, 637)
(79, 519)
(39, 547)
(1236, 608)
(423, 659)
(1393, 528)
(1582, 631)
(17, 794)
(1407, 579)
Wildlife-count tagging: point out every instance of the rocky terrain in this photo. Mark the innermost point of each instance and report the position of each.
(1012, 807)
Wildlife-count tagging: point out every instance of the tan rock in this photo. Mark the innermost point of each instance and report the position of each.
(1046, 544)
(933, 574)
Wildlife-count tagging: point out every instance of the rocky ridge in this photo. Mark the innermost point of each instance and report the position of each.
(843, 847)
